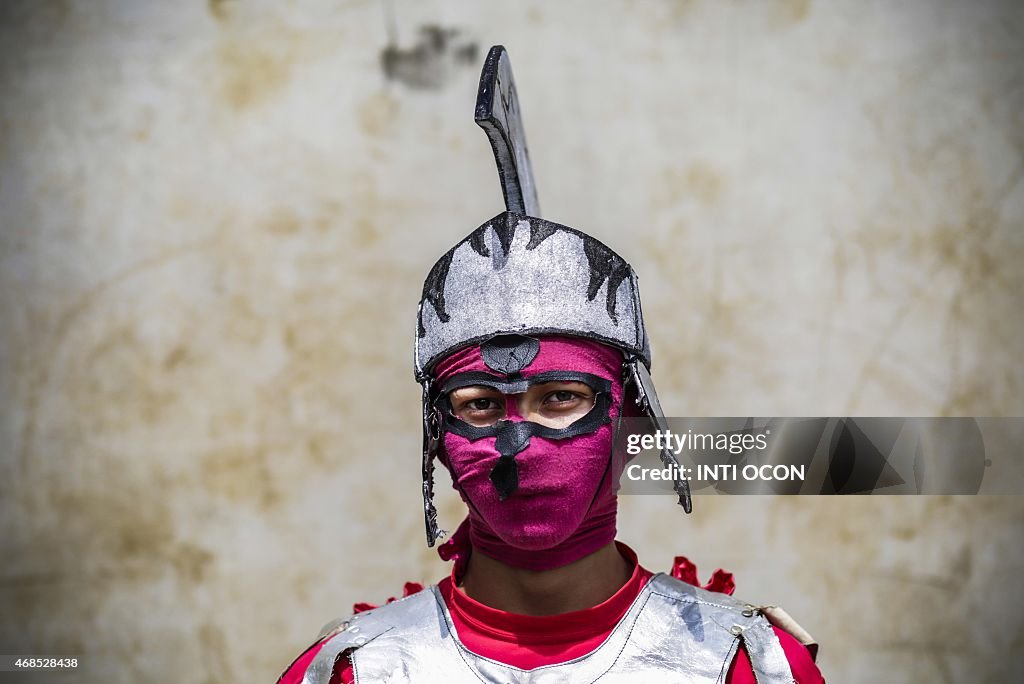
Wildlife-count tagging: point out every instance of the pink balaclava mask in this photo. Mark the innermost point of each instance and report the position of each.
(539, 498)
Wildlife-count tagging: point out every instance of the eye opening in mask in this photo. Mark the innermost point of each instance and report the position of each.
(553, 399)
(554, 404)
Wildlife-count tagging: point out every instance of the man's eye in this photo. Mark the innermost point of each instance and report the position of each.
(481, 404)
(562, 397)
(480, 411)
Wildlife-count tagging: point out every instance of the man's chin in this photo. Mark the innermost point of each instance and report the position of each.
(539, 537)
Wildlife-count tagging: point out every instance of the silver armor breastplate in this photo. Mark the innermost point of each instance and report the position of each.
(673, 632)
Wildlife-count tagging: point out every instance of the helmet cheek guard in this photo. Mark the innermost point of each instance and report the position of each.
(521, 275)
(638, 379)
(431, 446)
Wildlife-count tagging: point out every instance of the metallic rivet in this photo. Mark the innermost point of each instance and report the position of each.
(353, 629)
(736, 630)
(749, 612)
(361, 640)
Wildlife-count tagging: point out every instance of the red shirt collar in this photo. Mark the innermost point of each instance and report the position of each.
(567, 627)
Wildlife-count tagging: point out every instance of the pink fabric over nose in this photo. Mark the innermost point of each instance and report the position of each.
(564, 508)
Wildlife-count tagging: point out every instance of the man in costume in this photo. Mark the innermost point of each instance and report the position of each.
(530, 345)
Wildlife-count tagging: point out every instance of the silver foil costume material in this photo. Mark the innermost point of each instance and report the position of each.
(524, 275)
(673, 632)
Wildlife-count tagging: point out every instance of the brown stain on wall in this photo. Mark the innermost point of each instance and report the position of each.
(704, 182)
(953, 570)
(681, 8)
(793, 11)
(43, 356)
(116, 528)
(378, 115)
(964, 246)
(101, 518)
(240, 474)
(213, 643)
(176, 357)
(220, 9)
(715, 325)
(245, 324)
(253, 69)
(259, 50)
(116, 385)
(365, 233)
(283, 222)
(990, 282)
(700, 180)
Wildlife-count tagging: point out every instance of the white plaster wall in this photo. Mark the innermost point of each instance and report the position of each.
(215, 220)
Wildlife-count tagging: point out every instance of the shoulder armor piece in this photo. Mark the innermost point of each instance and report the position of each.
(356, 631)
(749, 624)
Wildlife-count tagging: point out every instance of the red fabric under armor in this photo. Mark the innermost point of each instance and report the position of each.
(528, 642)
